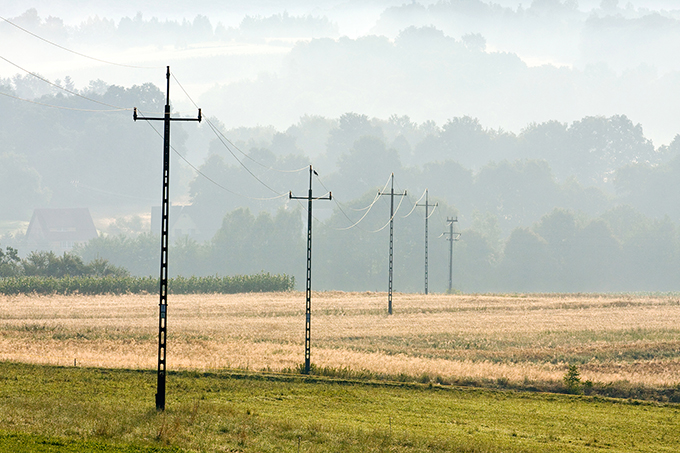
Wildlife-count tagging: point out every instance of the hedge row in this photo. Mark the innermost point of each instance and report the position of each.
(264, 282)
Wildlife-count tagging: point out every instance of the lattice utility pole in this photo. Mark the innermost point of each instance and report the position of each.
(308, 297)
(163, 305)
(427, 216)
(453, 237)
(391, 266)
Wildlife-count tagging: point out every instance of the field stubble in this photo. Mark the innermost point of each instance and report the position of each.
(515, 337)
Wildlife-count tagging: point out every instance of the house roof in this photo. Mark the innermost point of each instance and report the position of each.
(56, 225)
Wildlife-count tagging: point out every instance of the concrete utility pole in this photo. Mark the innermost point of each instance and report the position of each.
(451, 237)
(389, 288)
(427, 216)
(308, 297)
(163, 305)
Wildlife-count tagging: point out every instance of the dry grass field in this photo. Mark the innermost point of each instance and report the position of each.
(514, 337)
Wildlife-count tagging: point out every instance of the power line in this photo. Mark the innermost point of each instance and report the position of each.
(78, 185)
(199, 172)
(117, 109)
(434, 208)
(367, 209)
(219, 133)
(243, 165)
(389, 221)
(73, 51)
(222, 139)
(356, 224)
(60, 87)
(415, 205)
(60, 106)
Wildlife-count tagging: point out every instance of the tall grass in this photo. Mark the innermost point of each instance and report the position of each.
(264, 282)
(520, 342)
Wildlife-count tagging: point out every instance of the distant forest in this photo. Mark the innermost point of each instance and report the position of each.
(586, 206)
(589, 204)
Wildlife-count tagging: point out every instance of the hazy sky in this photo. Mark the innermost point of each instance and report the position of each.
(207, 66)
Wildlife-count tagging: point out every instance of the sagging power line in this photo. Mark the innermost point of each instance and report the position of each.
(73, 51)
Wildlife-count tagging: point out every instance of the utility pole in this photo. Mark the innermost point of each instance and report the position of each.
(391, 266)
(308, 296)
(427, 216)
(165, 209)
(453, 237)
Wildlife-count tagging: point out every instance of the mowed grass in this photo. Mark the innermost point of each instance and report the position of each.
(47, 408)
(507, 338)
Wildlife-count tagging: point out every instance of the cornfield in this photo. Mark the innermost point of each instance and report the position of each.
(264, 282)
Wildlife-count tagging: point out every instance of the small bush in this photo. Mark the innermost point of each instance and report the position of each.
(572, 380)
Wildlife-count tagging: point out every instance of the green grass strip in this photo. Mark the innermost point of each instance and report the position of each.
(259, 412)
(22, 442)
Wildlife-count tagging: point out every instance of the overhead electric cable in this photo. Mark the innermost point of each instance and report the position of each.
(415, 205)
(367, 209)
(221, 137)
(62, 88)
(212, 180)
(78, 185)
(74, 52)
(434, 208)
(60, 106)
(387, 183)
(358, 221)
(216, 130)
(243, 165)
(391, 218)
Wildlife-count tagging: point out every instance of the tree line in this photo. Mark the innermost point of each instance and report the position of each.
(500, 185)
(48, 264)
(565, 251)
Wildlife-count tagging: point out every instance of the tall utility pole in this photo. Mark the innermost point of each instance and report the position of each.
(165, 209)
(389, 288)
(427, 216)
(308, 297)
(451, 237)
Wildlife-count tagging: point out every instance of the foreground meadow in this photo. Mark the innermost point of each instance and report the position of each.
(506, 338)
(73, 409)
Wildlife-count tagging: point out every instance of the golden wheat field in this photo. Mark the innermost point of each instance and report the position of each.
(515, 337)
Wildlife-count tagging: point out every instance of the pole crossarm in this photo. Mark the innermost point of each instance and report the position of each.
(391, 260)
(165, 214)
(136, 117)
(308, 292)
(427, 216)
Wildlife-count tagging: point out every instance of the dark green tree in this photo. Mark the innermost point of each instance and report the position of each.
(10, 263)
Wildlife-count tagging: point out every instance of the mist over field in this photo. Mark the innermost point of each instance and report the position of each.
(547, 128)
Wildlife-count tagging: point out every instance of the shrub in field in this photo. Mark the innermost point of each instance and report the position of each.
(92, 285)
(572, 380)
